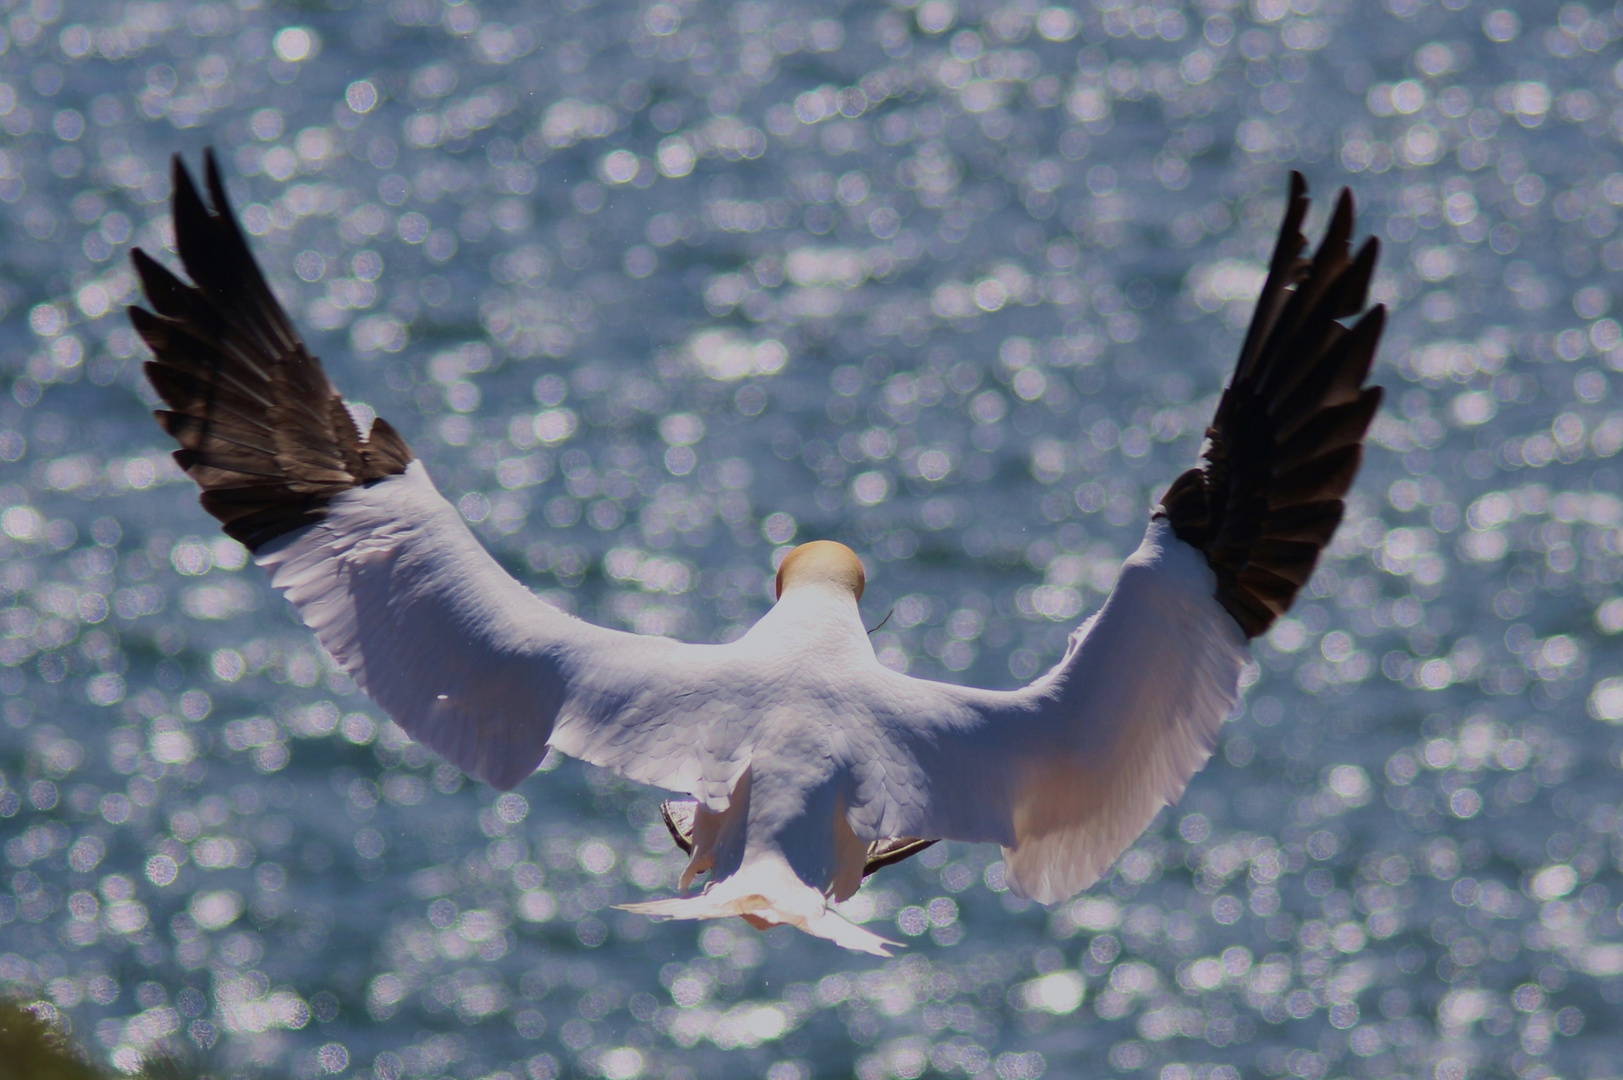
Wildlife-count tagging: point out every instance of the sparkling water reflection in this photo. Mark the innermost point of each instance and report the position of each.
(658, 289)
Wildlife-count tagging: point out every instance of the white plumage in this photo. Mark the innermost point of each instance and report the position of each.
(796, 726)
(800, 748)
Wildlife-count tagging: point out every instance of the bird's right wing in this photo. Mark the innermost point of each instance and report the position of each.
(384, 569)
(1068, 771)
(1288, 436)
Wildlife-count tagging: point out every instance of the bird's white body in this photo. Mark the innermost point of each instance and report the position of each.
(799, 745)
(800, 748)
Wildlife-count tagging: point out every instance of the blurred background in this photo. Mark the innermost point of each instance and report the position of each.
(659, 289)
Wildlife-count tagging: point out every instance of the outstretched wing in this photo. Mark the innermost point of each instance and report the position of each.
(378, 564)
(1068, 771)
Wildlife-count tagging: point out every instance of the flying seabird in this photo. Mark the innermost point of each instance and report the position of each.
(809, 762)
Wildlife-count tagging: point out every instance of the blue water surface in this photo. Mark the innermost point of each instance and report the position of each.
(658, 289)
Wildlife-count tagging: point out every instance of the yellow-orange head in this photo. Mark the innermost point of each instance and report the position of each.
(822, 562)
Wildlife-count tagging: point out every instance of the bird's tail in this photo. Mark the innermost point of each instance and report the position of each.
(766, 892)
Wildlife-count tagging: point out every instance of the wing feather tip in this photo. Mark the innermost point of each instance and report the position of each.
(221, 346)
(1297, 363)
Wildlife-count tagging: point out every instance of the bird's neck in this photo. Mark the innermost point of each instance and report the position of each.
(815, 615)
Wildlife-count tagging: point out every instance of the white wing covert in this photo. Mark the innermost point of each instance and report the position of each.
(1067, 772)
(382, 568)
(467, 661)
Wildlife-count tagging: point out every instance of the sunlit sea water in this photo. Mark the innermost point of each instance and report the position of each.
(657, 289)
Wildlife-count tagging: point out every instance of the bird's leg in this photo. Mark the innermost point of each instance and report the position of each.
(705, 826)
(719, 836)
(850, 856)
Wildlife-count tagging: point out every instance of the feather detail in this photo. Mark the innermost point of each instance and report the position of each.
(1288, 436)
(766, 892)
(260, 427)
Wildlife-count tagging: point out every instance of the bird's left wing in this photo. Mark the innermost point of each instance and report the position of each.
(383, 568)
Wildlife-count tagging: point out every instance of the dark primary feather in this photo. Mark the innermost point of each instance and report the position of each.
(1288, 436)
(260, 427)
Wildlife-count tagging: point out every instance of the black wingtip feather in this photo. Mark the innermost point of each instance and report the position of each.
(1314, 523)
(211, 176)
(1355, 293)
(1284, 268)
(167, 294)
(261, 428)
(1287, 439)
(1332, 428)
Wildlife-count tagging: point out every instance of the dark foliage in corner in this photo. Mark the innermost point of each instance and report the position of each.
(32, 1047)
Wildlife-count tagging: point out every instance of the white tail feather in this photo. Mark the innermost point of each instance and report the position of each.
(767, 893)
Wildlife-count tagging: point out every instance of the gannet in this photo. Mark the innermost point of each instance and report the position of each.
(808, 761)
